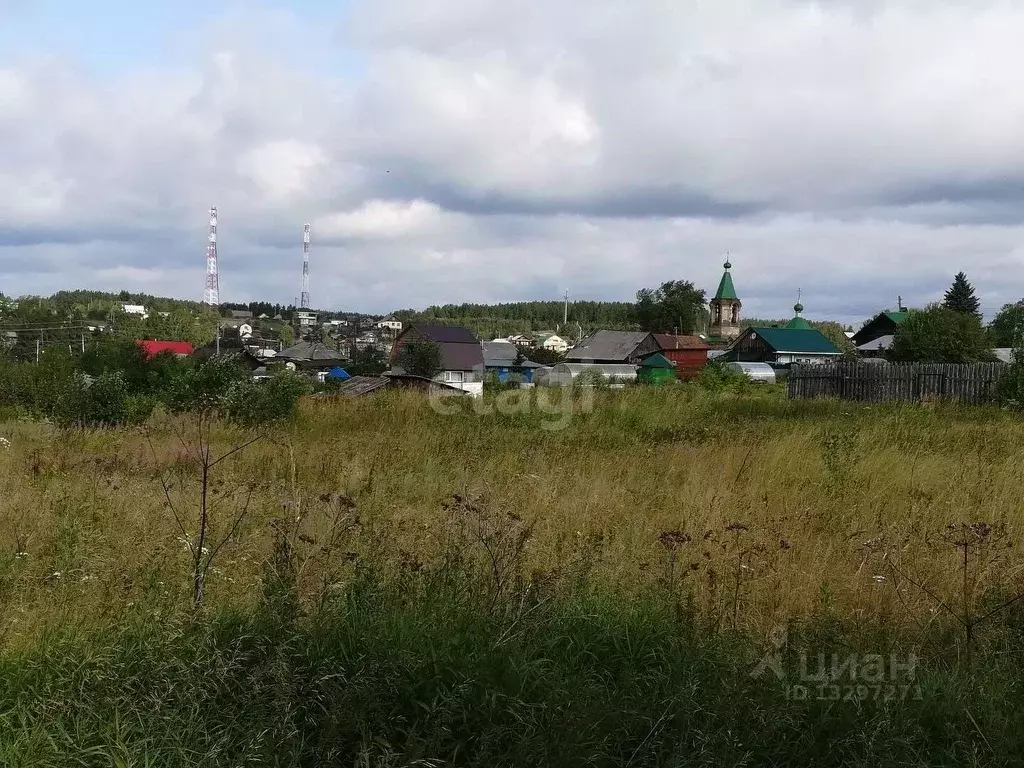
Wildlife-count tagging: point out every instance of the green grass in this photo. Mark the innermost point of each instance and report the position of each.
(473, 589)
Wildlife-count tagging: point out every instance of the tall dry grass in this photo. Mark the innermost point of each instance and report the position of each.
(755, 510)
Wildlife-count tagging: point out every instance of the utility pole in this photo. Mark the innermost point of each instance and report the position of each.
(565, 310)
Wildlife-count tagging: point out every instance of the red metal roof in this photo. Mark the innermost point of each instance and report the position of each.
(669, 341)
(152, 348)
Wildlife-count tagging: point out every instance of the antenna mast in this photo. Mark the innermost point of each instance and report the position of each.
(211, 293)
(304, 301)
(565, 309)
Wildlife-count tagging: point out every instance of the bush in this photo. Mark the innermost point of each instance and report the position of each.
(255, 402)
(1010, 390)
(716, 376)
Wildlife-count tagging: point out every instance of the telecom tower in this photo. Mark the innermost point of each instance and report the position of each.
(211, 294)
(304, 300)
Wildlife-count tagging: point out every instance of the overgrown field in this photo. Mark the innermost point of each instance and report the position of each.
(386, 583)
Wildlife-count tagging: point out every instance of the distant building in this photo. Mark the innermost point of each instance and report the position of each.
(151, 348)
(462, 357)
(689, 353)
(781, 346)
(881, 327)
(629, 347)
(390, 322)
(305, 318)
(725, 310)
(244, 330)
(241, 314)
(311, 356)
(505, 361)
(550, 341)
(135, 309)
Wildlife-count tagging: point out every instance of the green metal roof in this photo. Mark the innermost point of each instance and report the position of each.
(809, 340)
(896, 317)
(657, 360)
(800, 324)
(725, 287)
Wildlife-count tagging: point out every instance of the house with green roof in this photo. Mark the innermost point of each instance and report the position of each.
(881, 325)
(782, 346)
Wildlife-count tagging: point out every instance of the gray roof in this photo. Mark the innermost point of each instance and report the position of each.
(446, 333)
(355, 386)
(307, 350)
(503, 354)
(607, 345)
(882, 342)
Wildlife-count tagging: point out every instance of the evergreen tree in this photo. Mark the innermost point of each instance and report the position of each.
(960, 297)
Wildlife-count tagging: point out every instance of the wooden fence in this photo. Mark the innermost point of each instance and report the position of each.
(908, 382)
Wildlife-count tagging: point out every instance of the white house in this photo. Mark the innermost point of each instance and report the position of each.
(390, 322)
(305, 318)
(550, 341)
(244, 331)
(135, 309)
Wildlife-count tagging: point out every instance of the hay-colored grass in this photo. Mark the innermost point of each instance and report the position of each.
(823, 493)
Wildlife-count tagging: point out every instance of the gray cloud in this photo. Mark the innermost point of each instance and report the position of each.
(505, 151)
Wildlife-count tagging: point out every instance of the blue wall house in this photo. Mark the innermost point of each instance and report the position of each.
(502, 359)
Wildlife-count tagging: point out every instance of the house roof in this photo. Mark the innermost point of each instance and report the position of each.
(152, 348)
(607, 345)
(882, 342)
(657, 360)
(503, 354)
(460, 356)
(360, 385)
(446, 333)
(308, 350)
(725, 286)
(881, 324)
(671, 341)
(807, 340)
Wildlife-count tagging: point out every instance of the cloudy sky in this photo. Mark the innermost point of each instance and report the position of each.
(503, 150)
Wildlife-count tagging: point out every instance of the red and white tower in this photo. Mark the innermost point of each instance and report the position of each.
(304, 299)
(211, 294)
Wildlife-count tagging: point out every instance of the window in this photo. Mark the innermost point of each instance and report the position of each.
(453, 377)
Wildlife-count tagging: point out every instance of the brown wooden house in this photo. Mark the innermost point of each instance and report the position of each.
(689, 353)
(462, 357)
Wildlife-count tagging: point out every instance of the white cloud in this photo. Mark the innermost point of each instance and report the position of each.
(497, 151)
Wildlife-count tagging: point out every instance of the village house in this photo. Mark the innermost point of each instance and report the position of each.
(462, 358)
(781, 346)
(625, 347)
(311, 356)
(135, 309)
(505, 361)
(876, 335)
(689, 353)
(550, 341)
(305, 319)
(151, 348)
(391, 323)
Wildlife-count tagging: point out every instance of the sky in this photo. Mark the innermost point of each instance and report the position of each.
(512, 150)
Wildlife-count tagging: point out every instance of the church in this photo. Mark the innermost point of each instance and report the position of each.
(796, 342)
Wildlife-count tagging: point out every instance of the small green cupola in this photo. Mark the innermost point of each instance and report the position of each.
(798, 321)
